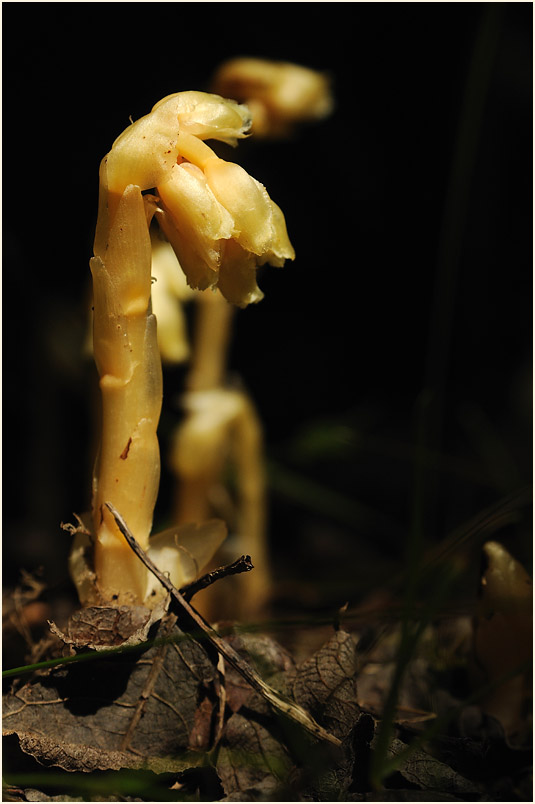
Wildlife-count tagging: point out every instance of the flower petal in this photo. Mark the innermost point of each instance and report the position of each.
(188, 198)
(237, 275)
(281, 249)
(200, 273)
(194, 222)
(169, 292)
(246, 200)
(184, 550)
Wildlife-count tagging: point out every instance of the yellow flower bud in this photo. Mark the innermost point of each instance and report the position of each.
(279, 94)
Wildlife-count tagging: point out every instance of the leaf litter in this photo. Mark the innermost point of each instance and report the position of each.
(180, 711)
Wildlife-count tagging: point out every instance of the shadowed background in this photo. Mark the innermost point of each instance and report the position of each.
(410, 210)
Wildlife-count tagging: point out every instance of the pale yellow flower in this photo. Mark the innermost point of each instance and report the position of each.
(221, 222)
(278, 94)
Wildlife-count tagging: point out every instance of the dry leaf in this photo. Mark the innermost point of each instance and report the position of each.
(116, 712)
(102, 627)
(269, 659)
(251, 763)
(326, 685)
(427, 773)
(254, 761)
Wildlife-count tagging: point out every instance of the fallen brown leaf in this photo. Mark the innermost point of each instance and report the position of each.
(116, 712)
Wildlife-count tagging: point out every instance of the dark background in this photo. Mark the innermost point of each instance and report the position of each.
(420, 179)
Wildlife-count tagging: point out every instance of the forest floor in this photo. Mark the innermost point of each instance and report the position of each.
(397, 711)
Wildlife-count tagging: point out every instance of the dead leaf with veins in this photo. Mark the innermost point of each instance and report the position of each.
(269, 659)
(262, 755)
(103, 627)
(251, 761)
(325, 685)
(428, 773)
(116, 712)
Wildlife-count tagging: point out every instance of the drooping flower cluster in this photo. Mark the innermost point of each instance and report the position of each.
(280, 95)
(220, 221)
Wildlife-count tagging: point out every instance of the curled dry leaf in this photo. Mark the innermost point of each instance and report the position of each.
(103, 627)
(115, 712)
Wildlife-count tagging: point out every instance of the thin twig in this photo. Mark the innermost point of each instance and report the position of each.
(286, 707)
(242, 564)
(221, 692)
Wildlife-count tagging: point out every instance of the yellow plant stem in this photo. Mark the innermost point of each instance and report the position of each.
(213, 323)
(212, 328)
(226, 419)
(248, 444)
(126, 353)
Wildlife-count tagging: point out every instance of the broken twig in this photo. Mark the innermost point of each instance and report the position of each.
(282, 705)
(242, 564)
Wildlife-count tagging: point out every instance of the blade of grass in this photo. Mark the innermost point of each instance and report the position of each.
(506, 511)
(454, 218)
(66, 660)
(412, 630)
(332, 504)
(429, 407)
(107, 783)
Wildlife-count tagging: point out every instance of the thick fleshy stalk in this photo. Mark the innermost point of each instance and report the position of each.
(126, 353)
